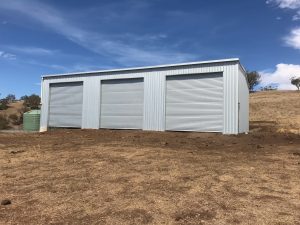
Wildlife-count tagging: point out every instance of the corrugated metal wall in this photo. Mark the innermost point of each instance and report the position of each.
(154, 93)
(243, 102)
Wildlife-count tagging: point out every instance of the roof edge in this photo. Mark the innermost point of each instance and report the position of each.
(143, 68)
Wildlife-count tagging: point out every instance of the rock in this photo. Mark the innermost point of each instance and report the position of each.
(225, 178)
(259, 146)
(16, 152)
(5, 202)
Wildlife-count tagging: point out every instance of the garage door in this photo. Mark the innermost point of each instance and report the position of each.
(122, 104)
(65, 107)
(195, 103)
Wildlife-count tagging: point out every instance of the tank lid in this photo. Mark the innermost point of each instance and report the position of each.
(35, 111)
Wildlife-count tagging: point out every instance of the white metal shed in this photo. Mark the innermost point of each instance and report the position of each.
(208, 96)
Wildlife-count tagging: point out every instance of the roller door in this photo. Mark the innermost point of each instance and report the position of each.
(122, 104)
(65, 106)
(195, 103)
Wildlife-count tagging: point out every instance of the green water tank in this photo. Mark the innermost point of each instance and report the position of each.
(31, 120)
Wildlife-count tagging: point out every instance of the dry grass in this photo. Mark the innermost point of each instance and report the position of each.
(122, 177)
(278, 108)
(134, 177)
(15, 108)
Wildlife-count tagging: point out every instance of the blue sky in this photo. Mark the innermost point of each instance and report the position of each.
(46, 37)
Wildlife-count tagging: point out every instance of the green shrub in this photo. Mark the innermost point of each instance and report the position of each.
(3, 104)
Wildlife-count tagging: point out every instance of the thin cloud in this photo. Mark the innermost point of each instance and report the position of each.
(32, 50)
(6, 55)
(288, 4)
(297, 16)
(121, 52)
(76, 67)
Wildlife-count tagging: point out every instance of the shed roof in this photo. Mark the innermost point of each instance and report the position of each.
(145, 68)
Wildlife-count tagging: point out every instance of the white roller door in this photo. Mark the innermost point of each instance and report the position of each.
(122, 103)
(195, 103)
(65, 106)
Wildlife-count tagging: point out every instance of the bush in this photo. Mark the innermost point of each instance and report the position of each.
(254, 79)
(268, 88)
(10, 98)
(3, 122)
(296, 81)
(15, 119)
(32, 101)
(3, 104)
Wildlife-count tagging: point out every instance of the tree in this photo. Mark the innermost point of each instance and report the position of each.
(253, 79)
(296, 81)
(24, 97)
(32, 101)
(11, 98)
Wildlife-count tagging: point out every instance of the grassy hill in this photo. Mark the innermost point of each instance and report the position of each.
(15, 108)
(279, 110)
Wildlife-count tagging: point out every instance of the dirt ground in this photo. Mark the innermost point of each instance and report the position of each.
(135, 177)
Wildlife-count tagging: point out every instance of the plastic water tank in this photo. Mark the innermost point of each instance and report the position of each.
(31, 120)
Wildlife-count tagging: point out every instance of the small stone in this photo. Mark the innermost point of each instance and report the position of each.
(259, 146)
(225, 178)
(16, 152)
(5, 202)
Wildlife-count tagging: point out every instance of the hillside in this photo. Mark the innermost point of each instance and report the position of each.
(279, 110)
(15, 108)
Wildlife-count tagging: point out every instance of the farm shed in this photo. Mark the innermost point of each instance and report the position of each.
(208, 96)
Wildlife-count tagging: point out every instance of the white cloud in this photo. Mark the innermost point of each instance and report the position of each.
(7, 55)
(288, 4)
(123, 53)
(285, 4)
(281, 76)
(293, 39)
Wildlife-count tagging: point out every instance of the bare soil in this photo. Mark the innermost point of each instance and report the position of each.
(136, 177)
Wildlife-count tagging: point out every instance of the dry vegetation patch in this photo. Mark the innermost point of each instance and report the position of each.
(276, 109)
(133, 177)
(136, 177)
